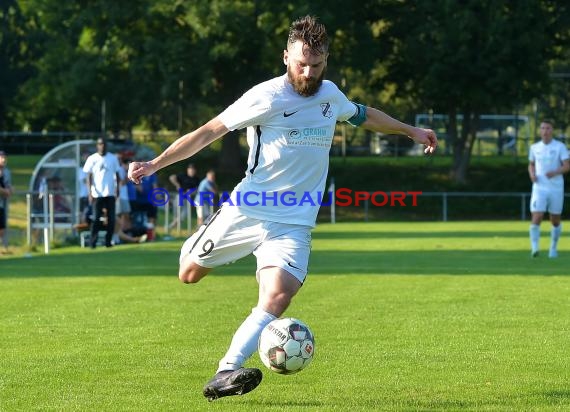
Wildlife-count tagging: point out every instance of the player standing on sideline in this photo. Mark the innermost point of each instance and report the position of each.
(290, 124)
(548, 161)
(102, 169)
(5, 193)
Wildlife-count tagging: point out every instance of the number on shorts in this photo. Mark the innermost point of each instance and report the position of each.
(207, 247)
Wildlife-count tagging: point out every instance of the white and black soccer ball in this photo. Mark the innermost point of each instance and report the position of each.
(286, 346)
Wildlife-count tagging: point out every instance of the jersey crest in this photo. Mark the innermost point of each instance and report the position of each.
(326, 110)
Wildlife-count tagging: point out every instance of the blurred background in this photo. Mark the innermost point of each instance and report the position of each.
(481, 73)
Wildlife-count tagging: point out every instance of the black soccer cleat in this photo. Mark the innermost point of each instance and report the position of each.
(229, 383)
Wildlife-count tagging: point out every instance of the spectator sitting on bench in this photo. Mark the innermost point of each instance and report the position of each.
(126, 233)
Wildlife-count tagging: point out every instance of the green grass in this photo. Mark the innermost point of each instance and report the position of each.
(407, 316)
(22, 168)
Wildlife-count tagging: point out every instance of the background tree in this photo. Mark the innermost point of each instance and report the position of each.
(556, 104)
(171, 65)
(19, 43)
(126, 55)
(470, 57)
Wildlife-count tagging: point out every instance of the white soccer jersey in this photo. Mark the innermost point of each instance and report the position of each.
(103, 170)
(289, 138)
(546, 158)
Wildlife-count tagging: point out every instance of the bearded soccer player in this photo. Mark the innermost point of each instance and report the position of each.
(290, 123)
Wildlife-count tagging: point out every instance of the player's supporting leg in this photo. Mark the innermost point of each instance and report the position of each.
(555, 219)
(534, 239)
(231, 378)
(554, 236)
(556, 205)
(244, 342)
(534, 231)
(276, 289)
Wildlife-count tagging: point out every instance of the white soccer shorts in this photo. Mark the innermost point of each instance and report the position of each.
(229, 236)
(547, 201)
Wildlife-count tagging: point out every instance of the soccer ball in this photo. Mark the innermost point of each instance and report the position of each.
(286, 346)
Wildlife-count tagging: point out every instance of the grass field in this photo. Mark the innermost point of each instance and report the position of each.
(407, 316)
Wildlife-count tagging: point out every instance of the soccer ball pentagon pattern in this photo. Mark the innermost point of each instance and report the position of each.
(286, 346)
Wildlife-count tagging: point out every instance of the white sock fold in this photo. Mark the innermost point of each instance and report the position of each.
(244, 342)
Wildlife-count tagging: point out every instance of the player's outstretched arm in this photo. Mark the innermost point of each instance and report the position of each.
(379, 121)
(184, 147)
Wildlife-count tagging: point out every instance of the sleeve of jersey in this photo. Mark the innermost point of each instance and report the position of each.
(564, 155)
(248, 110)
(347, 109)
(87, 166)
(117, 164)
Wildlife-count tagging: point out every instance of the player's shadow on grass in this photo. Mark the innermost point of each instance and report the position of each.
(118, 261)
(164, 262)
(435, 262)
(274, 403)
(556, 397)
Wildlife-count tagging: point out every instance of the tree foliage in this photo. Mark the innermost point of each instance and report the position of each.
(471, 57)
(173, 64)
(18, 47)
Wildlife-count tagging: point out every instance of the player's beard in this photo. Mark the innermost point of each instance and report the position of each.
(306, 87)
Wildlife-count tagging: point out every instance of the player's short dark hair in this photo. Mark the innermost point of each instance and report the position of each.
(549, 121)
(311, 32)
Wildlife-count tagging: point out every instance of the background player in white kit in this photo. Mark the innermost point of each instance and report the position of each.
(548, 161)
(291, 121)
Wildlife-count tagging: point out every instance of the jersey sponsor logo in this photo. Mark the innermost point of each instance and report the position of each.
(311, 136)
(295, 134)
(326, 110)
(285, 114)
